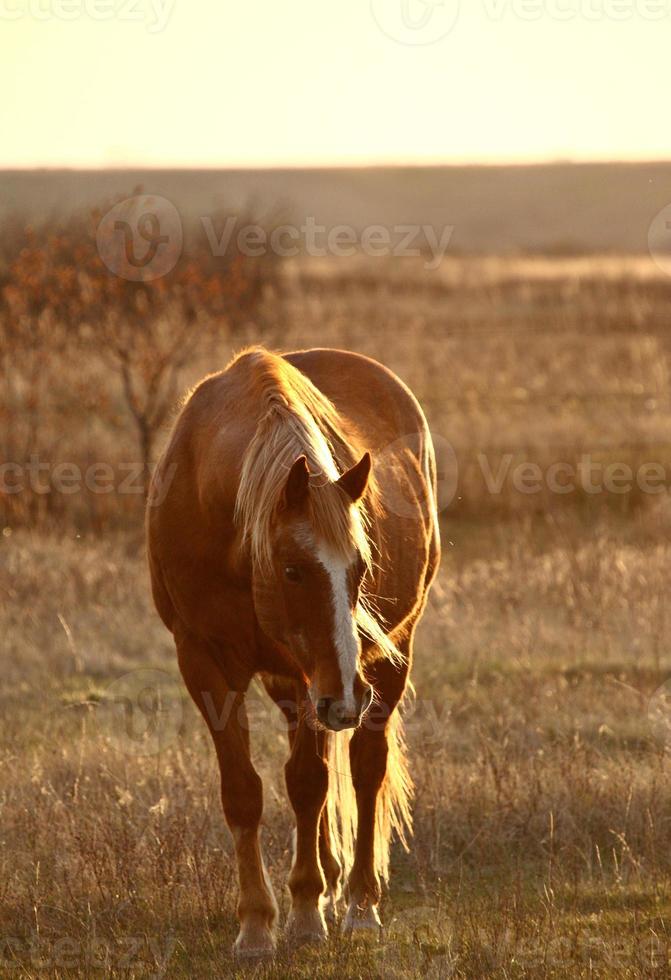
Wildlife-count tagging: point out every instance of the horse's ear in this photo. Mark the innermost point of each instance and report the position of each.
(296, 488)
(354, 481)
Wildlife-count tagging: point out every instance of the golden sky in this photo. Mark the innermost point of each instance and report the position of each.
(265, 82)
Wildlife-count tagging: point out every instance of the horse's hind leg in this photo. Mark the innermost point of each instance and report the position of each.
(307, 785)
(241, 791)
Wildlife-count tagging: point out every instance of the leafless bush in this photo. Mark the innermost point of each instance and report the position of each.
(81, 346)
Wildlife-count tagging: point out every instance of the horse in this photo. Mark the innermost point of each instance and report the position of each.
(292, 533)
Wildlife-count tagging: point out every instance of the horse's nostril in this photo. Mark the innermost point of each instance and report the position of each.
(324, 706)
(332, 714)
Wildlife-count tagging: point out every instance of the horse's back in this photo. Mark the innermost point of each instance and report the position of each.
(367, 393)
(219, 419)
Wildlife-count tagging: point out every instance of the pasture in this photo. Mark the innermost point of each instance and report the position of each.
(539, 733)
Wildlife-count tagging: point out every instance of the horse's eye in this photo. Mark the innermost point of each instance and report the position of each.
(292, 573)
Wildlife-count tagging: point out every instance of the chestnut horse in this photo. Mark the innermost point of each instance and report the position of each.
(275, 549)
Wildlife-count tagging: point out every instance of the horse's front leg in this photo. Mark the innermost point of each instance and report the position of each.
(369, 755)
(241, 791)
(368, 761)
(307, 784)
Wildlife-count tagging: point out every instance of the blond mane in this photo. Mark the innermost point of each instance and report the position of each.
(296, 419)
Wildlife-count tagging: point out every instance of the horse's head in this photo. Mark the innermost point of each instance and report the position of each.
(307, 599)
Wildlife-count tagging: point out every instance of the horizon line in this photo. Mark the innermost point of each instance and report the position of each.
(373, 165)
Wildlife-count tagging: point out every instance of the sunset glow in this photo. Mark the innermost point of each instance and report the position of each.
(174, 83)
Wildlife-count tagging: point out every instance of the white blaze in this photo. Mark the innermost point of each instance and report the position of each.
(344, 634)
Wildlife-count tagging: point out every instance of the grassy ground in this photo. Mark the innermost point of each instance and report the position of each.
(541, 727)
(538, 739)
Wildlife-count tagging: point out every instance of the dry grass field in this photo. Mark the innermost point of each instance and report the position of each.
(539, 734)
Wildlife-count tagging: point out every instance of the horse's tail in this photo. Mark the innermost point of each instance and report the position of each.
(394, 808)
(341, 801)
(394, 814)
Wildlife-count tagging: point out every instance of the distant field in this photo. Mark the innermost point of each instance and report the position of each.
(540, 732)
(583, 207)
(556, 362)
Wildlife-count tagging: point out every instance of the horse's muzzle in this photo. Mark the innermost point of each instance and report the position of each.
(334, 714)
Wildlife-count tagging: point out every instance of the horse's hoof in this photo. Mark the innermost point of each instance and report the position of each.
(306, 928)
(330, 912)
(253, 954)
(329, 907)
(297, 940)
(250, 947)
(363, 923)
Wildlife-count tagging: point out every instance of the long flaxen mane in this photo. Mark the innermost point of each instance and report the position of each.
(295, 419)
